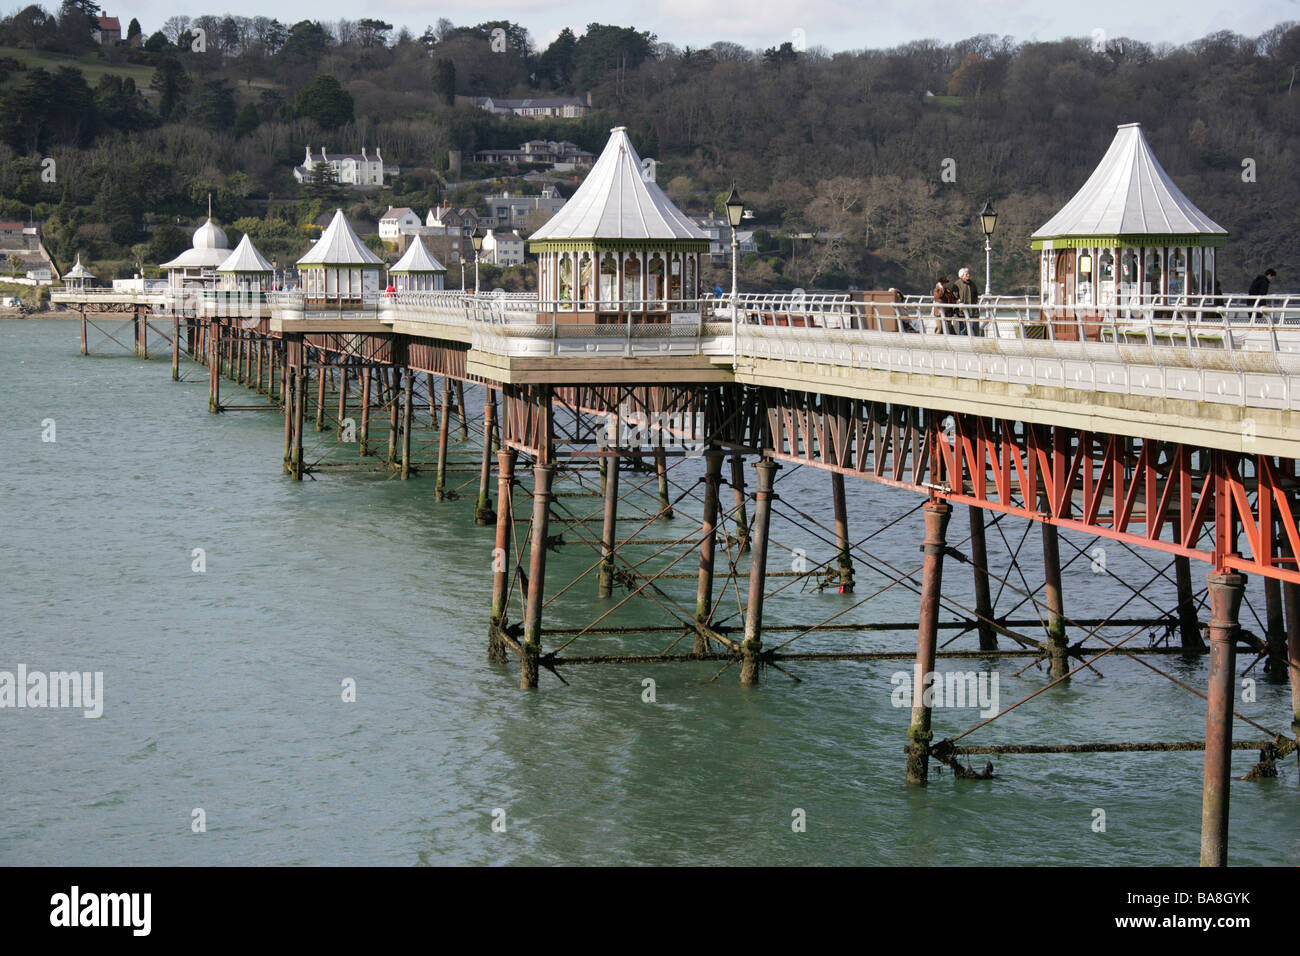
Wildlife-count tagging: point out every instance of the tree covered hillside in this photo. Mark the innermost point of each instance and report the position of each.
(841, 156)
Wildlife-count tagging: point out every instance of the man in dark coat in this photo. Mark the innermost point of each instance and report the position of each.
(1260, 285)
(968, 294)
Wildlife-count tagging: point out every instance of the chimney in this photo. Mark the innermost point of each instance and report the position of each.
(378, 155)
(364, 158)
(307, 161)
(589, 97)
(323, 157)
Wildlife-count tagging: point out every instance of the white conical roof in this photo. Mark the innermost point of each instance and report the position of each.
(245, 258)
(210, 236)
(78, 271)
(616, 201)
(417, 259)
(1129, 194)
(339, 246)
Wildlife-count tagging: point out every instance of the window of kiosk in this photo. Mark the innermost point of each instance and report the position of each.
(1177, 271)
(655, 282)
(586, 284)
(1128, 277)
(609, 280)
(632, 278)
(566, 281)
(1087, 261)
(1105, 269)
(1152, 282)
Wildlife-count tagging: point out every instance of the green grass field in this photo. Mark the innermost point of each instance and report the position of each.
(90, 65)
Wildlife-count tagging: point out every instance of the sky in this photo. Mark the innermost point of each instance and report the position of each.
(833, 24)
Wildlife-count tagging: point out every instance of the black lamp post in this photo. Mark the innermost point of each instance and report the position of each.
(735, 212)
(988, 222)
(477, 240)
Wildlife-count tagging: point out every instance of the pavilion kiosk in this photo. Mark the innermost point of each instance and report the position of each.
(78, 278)
(417, 270)
(338, 272)
(195, 268)
(618, 248)
(245, 270)
(1129, 239)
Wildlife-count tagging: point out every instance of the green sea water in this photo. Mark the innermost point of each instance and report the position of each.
(223, 689)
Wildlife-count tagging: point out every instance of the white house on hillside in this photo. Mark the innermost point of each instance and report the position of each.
(503, 248)
(568, 107)
(352, 169)
(397, 222)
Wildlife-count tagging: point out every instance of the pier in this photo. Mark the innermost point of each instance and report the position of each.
(1129, 406)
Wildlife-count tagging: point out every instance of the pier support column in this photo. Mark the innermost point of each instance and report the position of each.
(843, 560)
(394, 384)
(738, 489)
(979, 559)
(753, 643)
(1226, 591)
(1276, 641)
(483, 513)
(1291, 599)
(462, 411)
(364, 438)
(440, 489)
(609, 529)
(141, 335)
(919, 736)
(343, 399)
(543, 473)
(321, 370)
(501, 556)
(408, 415)
(83, 330)
(176, 348)
(1057, 645)
(287, 392)
(214, 367)
(1189, 626)
(708, 548)
(661, 470)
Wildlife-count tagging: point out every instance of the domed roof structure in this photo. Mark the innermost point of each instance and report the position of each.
(209, 249)
(210, 236)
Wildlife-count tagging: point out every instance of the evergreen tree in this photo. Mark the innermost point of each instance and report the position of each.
(326, 102)
(444, 81)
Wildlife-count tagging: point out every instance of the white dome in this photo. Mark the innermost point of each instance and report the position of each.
(210, 236)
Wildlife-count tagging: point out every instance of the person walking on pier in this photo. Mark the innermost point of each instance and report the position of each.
(968, 294)
(1259, 287)
(943, 311)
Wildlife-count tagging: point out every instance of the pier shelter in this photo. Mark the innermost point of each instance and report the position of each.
(618, 246)
(245, 269)
(78, 278)
(1129, 237)
(417, 270)
(339, 271)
